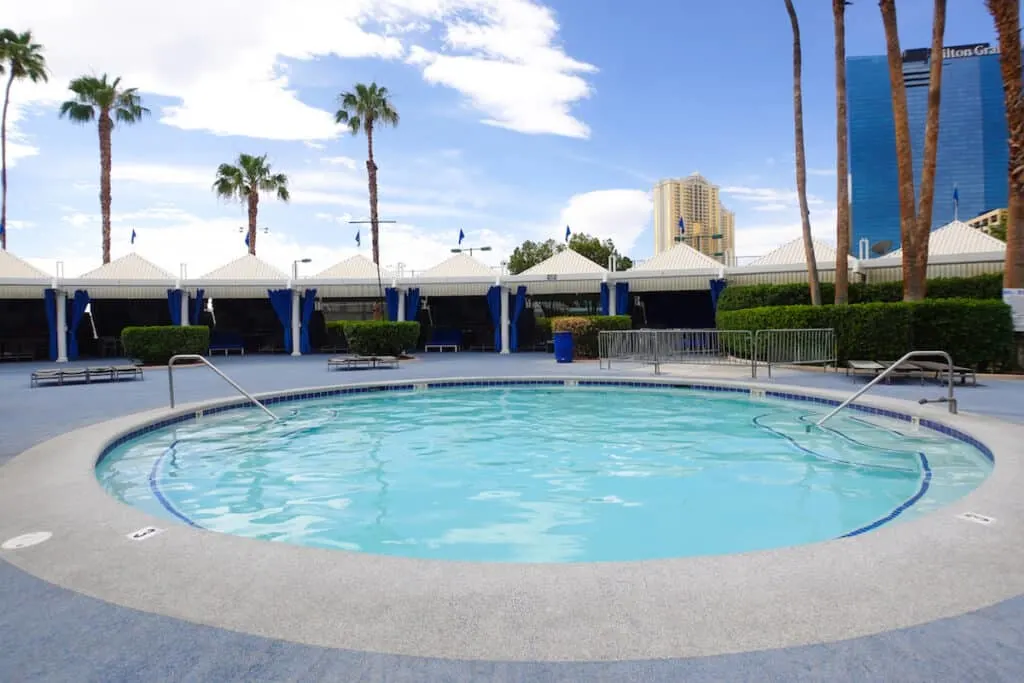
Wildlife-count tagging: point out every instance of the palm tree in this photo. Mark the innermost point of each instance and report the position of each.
(915, 225)
(108, 103)
(244, 181)
(801, 161)
(842, 157)
(1006, 14)
(22, 59)
(365, 108)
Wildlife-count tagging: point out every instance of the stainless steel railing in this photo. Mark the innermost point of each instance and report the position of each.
(814, 346)
(657, 347)
(948, 399)
(193, 356)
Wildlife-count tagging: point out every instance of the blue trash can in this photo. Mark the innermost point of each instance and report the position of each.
(563, 347)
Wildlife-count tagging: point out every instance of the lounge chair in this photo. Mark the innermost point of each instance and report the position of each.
(942, 369)
(226, 342)
(354, 362)
(871, 366)
(97, 373)
(444, 340)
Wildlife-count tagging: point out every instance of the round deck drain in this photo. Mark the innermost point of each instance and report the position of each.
(26, 540)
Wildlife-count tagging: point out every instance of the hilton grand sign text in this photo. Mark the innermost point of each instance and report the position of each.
(921, 54)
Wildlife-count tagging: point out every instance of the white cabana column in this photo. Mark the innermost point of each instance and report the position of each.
(504, 321)
(612, 299)
(184, 308)
(296, 332)
(62, 327)
(401, 304)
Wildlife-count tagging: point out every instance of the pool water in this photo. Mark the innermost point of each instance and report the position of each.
(537, 474)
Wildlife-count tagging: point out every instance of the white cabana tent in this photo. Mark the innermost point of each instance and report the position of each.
(458, 275)
(792, 254)
(128, 277)
(247, 277)
(567, 272)
(351, 278)
(681, 268)
(24, 328)
(954, 250)
(19, 279)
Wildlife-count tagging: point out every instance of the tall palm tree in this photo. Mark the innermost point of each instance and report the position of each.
(21, 59)
(108, 102)
(364, 109)
(801, 161)
(1006, 14)
(842, 157)
(915, 225)
(244, 181)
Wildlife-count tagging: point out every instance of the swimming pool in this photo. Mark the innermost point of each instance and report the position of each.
(531, 473)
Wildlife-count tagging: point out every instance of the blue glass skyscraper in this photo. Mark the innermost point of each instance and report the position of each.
(973, 152)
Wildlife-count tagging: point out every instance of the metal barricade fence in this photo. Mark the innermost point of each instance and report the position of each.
(657, 347)
(795, 347)
(718, 347)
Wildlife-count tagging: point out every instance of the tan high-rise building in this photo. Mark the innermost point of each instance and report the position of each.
(710, 227)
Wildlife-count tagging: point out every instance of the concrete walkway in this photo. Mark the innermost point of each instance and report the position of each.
(50, 634)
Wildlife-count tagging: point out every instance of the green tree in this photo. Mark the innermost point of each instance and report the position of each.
(364, 109)
(106, 102)
(244, 181)
(20, 59)
(999, 230)
(530, 253)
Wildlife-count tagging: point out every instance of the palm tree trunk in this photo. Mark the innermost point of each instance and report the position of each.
(106, 127)
(3, 163)
(904, 160)
(1006, 14)
(371, 174)
(923, 227)
(842, 160)
(801, 161)
(253, 202)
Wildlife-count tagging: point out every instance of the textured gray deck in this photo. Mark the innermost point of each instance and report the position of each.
(47, 633)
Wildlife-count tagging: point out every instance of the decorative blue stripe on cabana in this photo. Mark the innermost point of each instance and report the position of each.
(622, 298)
(50, 302)
(391, 303)
(412, 304)
(604, 298)
(195, 315)
(494, 305)
(717, 286)
(174, 305)
(307, 305)
(78, 304)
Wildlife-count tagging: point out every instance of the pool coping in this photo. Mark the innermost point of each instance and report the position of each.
(897, 576)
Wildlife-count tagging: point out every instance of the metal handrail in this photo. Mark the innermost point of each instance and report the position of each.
(889, 370)
(193, 356)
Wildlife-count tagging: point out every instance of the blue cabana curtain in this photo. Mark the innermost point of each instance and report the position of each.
(307, 305)
(716, 291)
(494, 305)
(412, 304)
(281, 300)
(174, 305)
(78, 305)
(517, 310)
(50, 301)
(195, 315)
(391, 303)
(621, 298)
(604, 298)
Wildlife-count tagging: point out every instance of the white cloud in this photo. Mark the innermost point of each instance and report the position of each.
(757, 240)
(347, 162)
(222, 61)
(821, 171)
(619, 215)
(767, 195)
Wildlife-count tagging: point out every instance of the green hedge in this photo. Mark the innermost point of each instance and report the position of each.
(988, 286)
(379, 337)
(585, 329)
(976, 333)
(155, 345)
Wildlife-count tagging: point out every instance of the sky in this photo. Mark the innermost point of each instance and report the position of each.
(518, 117)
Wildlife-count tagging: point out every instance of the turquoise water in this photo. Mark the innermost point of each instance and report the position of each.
(541, 474)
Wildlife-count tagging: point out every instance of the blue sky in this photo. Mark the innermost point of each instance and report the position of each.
(517, 118)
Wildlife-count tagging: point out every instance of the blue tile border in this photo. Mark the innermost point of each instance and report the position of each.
(286, 397)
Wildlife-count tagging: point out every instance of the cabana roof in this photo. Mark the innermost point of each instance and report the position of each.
(14, 268)
(130, 267)
(246, 268)
(565, 263)
(356, 267)
(680, 257)
(458, 266)
(958, 238)
(792, 253)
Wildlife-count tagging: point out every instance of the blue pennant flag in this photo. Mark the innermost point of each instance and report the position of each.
(682, 226)
(462, 236)
(567, 233)
(247, 239)
(358, 243)
(2, 229)
(133, 235)
(956, 196)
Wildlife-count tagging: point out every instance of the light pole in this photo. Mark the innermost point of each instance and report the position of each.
(296, 329)
(459, 250)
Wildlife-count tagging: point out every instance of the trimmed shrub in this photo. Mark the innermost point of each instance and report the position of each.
(585, 329)
(987, 286)
(975, 333)
(155, 345)
(380, 337)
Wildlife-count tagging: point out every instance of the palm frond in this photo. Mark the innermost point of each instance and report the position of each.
(364, 106)
(23, 57)
(77, 112)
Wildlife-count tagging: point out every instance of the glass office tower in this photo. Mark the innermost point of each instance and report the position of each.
(973, 152)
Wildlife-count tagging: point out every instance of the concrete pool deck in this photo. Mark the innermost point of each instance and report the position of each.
(50, 633)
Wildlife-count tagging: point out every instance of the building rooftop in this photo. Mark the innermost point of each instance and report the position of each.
(958, 238)
(680, 257)
(15, 268)
(247, 267)
(129, 267)
(565, 262)
(458, 265)
(792, 253)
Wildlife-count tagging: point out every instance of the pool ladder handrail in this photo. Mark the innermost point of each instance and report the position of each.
(948, 399)
(194, 356)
